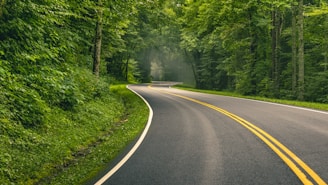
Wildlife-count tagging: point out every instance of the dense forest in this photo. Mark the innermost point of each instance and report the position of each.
(58, 56)
(268, 48)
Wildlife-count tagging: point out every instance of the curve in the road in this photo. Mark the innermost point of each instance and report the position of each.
(134, 148)
(281, 150)
(302, 171)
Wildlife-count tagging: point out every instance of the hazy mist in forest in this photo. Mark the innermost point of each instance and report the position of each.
(168, 65)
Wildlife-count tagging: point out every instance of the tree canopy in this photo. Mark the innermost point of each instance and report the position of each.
(265, 48)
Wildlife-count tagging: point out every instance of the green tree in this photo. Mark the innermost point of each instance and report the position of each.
(98, 38)
(255, 52)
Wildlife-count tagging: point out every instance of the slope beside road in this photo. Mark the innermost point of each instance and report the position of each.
(197, 138)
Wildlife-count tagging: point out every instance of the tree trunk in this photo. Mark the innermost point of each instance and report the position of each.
(2, 5)
(127, 68)
(98, 38)
(294, 50)
(325, 48)
(193, 60)
(275, 50)
(300, 51)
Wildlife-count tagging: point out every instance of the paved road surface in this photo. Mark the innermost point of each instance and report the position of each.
(191, 142)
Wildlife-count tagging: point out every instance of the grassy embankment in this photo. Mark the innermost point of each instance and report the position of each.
(312, 105)
(72, 146)
(108, 144)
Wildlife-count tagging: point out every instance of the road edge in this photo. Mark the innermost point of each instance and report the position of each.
(134, 148)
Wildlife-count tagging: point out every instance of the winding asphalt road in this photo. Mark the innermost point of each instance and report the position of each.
(204, 139)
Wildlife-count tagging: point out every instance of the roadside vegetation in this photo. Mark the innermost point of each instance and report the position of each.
(312, 105)
(72, 146)
(61, 118)
(95, 156)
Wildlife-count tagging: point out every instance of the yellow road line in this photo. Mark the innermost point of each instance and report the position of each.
(273, 143)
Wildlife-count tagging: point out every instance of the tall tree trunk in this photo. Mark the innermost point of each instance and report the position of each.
(126, 75)
(2, 5)
(195, 59)
(325, 48)
(252, 52)
(98, 38)
(294, 50)
(300, 51)
(275, 49)
(326, 62)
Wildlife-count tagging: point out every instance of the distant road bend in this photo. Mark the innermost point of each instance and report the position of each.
(202, 139)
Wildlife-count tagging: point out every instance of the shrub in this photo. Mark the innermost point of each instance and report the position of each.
(26, 105)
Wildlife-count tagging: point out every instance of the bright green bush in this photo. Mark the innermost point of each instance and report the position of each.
(27, 106)
(39, 136)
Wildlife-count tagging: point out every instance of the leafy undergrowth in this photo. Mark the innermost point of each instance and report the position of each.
(312, 105)
(69, 144)
(110, 143)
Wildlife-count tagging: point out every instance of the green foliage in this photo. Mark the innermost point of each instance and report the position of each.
(96, 88)
(36, 138)
(50, 103)
(241, 46)
(109, 144)
(26, 105)
(317, 88)
(35, 44)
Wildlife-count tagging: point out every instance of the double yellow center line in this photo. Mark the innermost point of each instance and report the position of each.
(292, 161)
